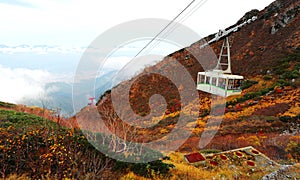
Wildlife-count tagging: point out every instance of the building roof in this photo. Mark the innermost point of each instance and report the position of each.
(194, 157)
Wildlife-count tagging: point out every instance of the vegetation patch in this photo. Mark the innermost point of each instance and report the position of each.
(248, 83)
(289, 118)
(7, 105)
(43, 149)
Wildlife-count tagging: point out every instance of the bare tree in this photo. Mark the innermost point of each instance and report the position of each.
(123, 136)
(45, 103)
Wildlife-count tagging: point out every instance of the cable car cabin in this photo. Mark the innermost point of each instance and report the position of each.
(218, 83)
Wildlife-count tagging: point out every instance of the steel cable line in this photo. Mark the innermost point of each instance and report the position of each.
(173, 20)
(172, 28)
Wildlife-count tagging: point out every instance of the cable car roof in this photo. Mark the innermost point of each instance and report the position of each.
(220, 74)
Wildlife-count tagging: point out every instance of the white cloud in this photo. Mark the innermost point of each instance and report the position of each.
(18, 84)
(116, 62)
(78, 22)
(40, 49)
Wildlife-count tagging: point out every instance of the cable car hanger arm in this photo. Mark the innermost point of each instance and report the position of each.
(225, 33)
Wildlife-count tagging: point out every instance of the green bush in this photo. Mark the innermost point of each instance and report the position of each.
(250, 95)
(285, 118)
(291, 74)
(248, 83)
(265, 91)
(267, 77)
(281, 69)
(147, 170)
(282, 65)
(150, 169)
(270, 119)
(7, 105)
(289, 118)
(282, 82)
(297, 66)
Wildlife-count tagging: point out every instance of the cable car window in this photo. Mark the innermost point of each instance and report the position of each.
(230, 84)
(237, 83)
(214, 81)
(222, 83)
(201, 78)
(207, 79)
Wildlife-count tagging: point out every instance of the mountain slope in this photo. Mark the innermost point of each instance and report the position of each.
(266, 52)
(32, 147)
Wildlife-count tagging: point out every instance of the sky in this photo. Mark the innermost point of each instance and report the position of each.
(42, 40)
(76, 23)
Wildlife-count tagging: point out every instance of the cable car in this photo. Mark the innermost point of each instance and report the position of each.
(218, 83)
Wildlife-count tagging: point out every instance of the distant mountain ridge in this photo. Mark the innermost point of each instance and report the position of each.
(60, 95)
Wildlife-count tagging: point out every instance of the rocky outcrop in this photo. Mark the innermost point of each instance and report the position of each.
(281, 173)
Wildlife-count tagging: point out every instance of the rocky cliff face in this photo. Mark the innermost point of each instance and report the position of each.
(257, 47)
